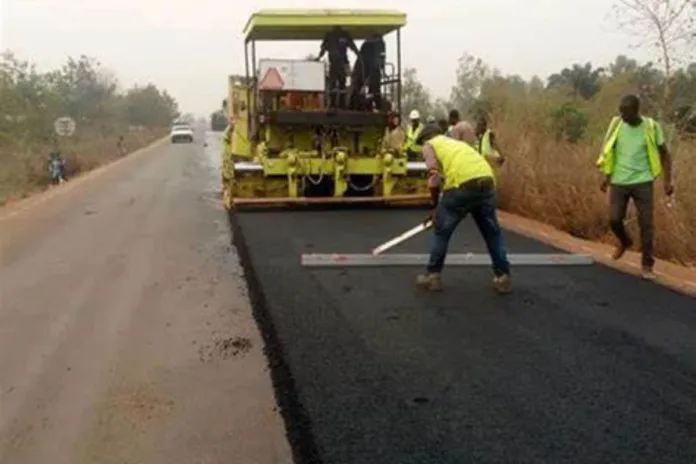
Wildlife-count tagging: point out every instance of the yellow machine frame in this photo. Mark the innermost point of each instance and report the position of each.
(271, 154)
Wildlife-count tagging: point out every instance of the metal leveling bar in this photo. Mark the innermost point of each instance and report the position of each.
(460, 259)
(402, 238)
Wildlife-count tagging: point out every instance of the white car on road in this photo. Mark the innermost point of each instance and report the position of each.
(181, 133)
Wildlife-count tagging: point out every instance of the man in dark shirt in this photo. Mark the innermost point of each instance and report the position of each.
(336, 43)
(369, 68)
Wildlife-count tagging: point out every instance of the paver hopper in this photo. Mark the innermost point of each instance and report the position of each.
(289, 142)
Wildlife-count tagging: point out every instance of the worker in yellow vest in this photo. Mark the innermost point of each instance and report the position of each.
(486, 144)
(411, 148)
(467, 183)
(633, 156)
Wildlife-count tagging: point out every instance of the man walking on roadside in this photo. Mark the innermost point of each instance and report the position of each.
(633, 156)
(469, 188)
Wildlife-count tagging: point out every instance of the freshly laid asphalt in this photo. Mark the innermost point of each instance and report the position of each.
(580, 364)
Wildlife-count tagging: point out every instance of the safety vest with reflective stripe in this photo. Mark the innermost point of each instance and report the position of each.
(411, 137)
(607, 160)
(460, 162)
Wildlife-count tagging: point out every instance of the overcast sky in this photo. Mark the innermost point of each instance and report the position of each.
(190, 46)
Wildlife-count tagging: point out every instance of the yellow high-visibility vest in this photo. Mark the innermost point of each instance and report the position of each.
(460, 162)
(411, 137)
(607, 159)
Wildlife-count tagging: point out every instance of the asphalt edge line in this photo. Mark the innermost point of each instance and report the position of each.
(552, 236)
(42, 196)
(298, 426)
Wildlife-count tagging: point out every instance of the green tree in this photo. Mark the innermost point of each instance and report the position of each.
(583, 81)
(666, 26)
(471, 76)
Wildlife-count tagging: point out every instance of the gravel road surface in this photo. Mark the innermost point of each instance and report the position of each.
(579, 365)
(126, 335)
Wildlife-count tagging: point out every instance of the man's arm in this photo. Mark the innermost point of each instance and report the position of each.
(434, 173)
(351, 44)
(665, 156)
(324, 47)
(494, 145)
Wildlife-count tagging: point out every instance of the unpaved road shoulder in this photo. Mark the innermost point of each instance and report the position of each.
(126, 334)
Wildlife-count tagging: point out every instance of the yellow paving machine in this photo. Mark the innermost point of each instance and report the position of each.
(286, 143)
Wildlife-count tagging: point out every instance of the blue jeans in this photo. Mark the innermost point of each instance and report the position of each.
(454, 206)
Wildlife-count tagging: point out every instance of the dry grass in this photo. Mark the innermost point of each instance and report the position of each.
(557, 183)
(24, 170)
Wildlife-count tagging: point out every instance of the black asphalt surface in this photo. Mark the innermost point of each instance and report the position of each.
(583, 365)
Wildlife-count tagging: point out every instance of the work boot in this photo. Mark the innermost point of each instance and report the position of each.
(647, 273)
(502, 284)
(620, 250)
(430, 281)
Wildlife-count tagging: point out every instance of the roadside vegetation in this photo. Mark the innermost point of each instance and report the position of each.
(82, 89)
(552, 129)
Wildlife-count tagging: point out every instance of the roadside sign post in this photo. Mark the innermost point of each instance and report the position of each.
(64, 126)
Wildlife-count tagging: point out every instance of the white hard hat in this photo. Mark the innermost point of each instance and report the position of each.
(414, 115)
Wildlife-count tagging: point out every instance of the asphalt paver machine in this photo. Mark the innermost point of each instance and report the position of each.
(287, 144)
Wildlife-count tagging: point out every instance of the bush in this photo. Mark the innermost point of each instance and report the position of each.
(552, 133)
(30, 101)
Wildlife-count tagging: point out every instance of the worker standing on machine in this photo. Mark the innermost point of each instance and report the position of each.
(411, 147)
(469, 188)
(369, 67)
(336, 43)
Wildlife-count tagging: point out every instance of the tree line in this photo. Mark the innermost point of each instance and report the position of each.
(480, 88)
(567, 99)
(31, 100)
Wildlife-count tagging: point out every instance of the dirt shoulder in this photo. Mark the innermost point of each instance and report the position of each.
(679, 278)
(126, 332)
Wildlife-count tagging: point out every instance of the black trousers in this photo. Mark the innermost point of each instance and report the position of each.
(373, 76)
(337, 84)
(642, 196)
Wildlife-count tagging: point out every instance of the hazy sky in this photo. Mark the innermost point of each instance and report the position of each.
(190, 46)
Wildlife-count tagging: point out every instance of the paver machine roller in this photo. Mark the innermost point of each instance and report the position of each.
(289, 143)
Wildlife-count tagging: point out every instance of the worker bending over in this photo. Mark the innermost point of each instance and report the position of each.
(486, 144)
(411, 148)
(633, 156)
(469, 188)
(336, 43)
